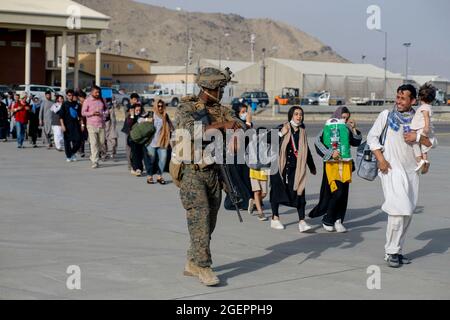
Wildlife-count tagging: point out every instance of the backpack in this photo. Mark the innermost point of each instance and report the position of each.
(142, 133)
(365, 159)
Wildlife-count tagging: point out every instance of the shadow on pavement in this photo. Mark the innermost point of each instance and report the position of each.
(313, 245)
(439, 242)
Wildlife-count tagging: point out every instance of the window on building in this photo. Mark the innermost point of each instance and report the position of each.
(106, 66)
(130, 66)
(81, 66)
(22, 44)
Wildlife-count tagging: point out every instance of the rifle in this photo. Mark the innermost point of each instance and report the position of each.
(232, 192)
(202, 115)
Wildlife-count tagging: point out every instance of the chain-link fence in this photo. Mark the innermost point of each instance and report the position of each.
(351, 87)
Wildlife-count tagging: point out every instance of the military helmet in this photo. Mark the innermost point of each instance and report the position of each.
(212, 78)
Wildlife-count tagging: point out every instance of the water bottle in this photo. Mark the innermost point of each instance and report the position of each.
(367, 155)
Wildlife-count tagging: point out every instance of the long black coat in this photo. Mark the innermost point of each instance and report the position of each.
(282, 192)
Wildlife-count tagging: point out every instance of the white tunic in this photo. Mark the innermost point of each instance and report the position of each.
(401, 183)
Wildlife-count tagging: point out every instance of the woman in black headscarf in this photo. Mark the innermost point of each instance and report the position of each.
(240, 173)
(288, 184)
(336, 177)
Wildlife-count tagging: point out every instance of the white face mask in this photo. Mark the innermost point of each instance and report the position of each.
(243, 116)
(295, 124)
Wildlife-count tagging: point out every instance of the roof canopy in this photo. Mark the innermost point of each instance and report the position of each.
(334, 68)
(50, 15)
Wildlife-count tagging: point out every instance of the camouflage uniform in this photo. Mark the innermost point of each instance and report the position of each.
(200, 187)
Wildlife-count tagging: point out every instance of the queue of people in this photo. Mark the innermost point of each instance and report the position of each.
(66, 123)
(400, 140)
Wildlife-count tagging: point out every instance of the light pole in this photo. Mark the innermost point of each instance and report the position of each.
(188, 50)
(263, 70)
(385, 61)
(220, 48)
(406, 45)
(363, 58)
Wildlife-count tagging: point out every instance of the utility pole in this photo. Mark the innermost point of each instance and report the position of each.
(385, 61)
(407, 45)
(263, 70)
(252, 46)
(188, 49)
(220, 48)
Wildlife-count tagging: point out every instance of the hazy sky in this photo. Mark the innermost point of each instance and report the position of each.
(342, 25)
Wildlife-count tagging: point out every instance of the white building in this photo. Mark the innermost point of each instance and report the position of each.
(24, 26)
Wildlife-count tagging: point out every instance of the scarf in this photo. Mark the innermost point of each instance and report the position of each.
(397, 119)
(339, 111)
(300, 170)
(35, 106)
(56, 107)
(167, 127)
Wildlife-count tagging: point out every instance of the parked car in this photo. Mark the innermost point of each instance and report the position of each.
(322, 98)
(119, 98)
(58, 90)
(148, 97)
(261, 96)
(4, 89)
(37, 90)
(440, 98)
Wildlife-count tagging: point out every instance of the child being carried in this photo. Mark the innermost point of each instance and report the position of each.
(423, 125)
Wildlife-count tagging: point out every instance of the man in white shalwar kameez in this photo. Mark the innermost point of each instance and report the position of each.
(397, 163)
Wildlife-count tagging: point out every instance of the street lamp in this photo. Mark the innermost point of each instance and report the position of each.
(363, 58)
(188, 50)
(406, 45)
(220, 48)
(385, 61)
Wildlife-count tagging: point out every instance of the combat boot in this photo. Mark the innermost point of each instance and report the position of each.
(191, 269)
(207, 277)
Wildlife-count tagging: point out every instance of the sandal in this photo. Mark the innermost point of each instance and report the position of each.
(161, 180)
(150, 180)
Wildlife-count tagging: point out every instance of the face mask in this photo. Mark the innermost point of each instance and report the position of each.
(243, 116)
(295, 124)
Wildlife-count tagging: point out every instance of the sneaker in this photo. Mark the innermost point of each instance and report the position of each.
(328, 228)
(74, 158)
(303, 226)
(276, 224)
(403, 259)
(251, 206)
(35, 146)
(95, 166)
(392, 260)
(339, 227)
(68, 160)
(262, 217)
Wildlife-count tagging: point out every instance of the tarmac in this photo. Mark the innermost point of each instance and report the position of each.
(129, 239)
